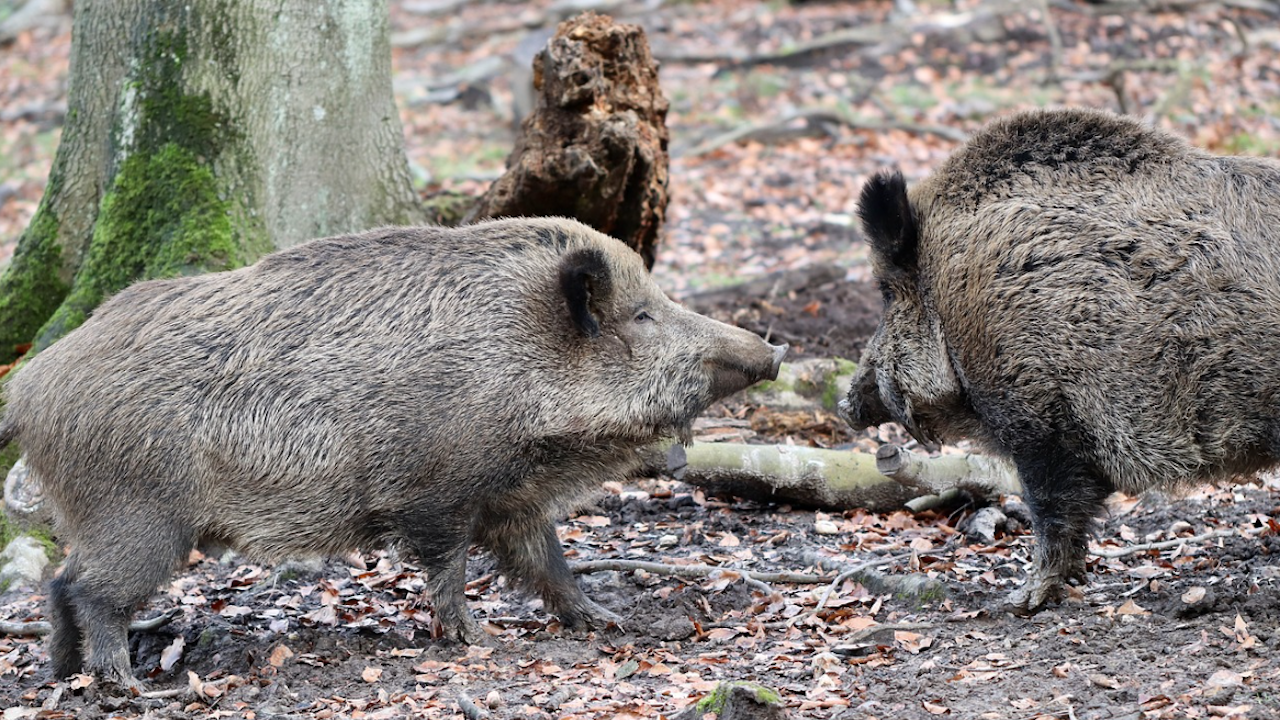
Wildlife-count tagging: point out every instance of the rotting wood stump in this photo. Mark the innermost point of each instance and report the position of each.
(595, 146)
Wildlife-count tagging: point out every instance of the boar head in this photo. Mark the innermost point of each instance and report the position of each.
(646, 366)
(905, 375)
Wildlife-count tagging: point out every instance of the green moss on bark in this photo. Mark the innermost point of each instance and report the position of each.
(8, 458)
(162, 215)
(714, 703)
(30, 288)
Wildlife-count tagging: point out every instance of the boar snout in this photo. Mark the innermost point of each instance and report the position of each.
(740, 367)
(863, 407)
(779, 352)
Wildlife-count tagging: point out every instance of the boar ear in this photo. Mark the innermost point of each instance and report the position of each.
(887, 218)
(586, 284)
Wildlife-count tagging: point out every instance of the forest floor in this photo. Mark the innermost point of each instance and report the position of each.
(1189, 628)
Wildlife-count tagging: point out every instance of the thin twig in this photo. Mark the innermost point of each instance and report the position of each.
(167, 694)
(470, 710)
(814, 118)
(593, 566)
(1176, 542)
(1055, 39)
(849, 645)
(39, 628)
(853, 573)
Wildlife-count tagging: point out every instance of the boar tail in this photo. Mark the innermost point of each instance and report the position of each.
(888, 220)
(8, 431)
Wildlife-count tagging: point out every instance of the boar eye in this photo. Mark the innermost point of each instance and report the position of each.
(643, 317)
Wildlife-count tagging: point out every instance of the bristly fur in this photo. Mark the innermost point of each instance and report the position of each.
(430, 388)
(1094, 299)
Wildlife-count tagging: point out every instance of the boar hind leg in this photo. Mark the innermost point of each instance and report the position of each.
(1065, 496)
(530, 555)
(107, 576)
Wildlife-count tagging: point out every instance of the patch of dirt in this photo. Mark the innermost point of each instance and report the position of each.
(1138, 640)
(832, 318)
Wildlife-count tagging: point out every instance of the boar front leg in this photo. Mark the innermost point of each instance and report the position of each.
(529, 554)
(443, 554)
(1066, 496)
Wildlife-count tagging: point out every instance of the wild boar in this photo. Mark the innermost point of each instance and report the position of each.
(1094, 299)
(426, 387)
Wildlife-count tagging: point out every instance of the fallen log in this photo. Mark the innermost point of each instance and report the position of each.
(836, 479)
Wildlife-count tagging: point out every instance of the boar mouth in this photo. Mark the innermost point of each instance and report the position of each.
(876, 399)
(728, 379)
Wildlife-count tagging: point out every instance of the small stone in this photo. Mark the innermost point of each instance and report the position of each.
(23, 562)
(826, 527)
(1194, 595)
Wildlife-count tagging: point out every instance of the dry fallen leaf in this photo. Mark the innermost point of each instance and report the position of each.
(194, 683)
(1194, 595)
(493, 700)
(1242, 635)
(826, 527)
(1104, 681)
(1132, 608)
(371, 674)
(279, 655)
(169, 657)
(935, 709)
(80, 681)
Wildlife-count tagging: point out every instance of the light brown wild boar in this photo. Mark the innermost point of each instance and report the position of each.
(426, 387)
(1094, 299)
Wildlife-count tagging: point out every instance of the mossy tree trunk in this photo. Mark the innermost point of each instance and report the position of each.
(200, 135)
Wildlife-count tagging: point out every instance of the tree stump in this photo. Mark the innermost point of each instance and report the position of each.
(595, 146)
(737, 700)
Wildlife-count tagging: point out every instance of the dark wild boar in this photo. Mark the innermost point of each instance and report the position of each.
(1096, 300)
(426, 387)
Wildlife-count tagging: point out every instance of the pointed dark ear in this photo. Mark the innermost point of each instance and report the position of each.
(888, 220)
(586, 284)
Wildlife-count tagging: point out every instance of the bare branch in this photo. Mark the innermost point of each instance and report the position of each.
(1112, 553)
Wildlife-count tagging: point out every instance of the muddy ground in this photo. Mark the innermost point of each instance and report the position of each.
(1188, 631)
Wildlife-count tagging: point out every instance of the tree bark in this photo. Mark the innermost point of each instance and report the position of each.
(595, 146)
(199, 136)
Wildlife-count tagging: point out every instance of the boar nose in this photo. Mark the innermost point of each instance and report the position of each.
(863, 406)
(779, 352)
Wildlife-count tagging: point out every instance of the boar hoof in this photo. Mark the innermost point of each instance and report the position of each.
(588, 615)
(1039, 591)
(111, 683)
(464, 632)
